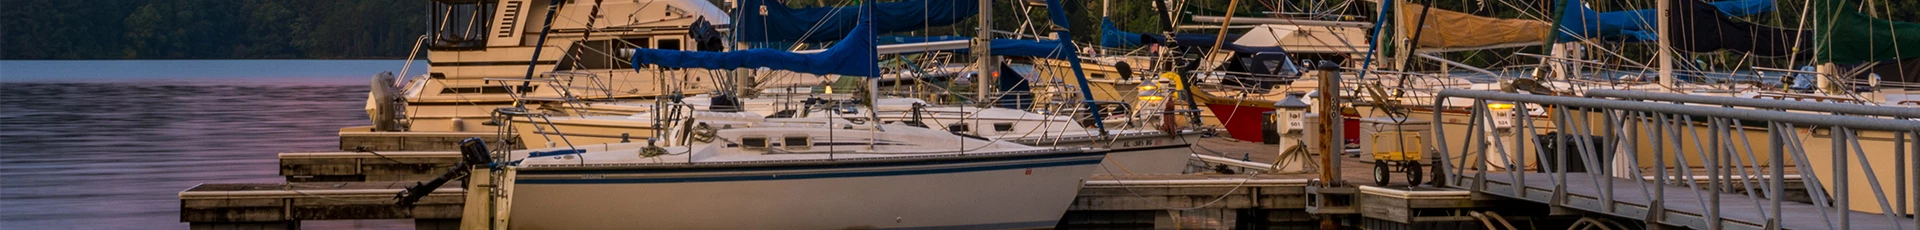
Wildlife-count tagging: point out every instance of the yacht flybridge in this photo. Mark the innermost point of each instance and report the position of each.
(485, 54)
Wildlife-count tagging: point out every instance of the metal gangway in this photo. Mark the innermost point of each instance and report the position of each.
(1673, 160)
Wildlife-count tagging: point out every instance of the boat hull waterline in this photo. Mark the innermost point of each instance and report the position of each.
(1028, 190)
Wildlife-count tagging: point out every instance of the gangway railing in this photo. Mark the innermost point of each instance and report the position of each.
(1716, 137)
(1902, 199)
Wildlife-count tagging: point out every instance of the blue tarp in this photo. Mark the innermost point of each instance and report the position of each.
(819, 24)
(1579, 21)
(852, 56)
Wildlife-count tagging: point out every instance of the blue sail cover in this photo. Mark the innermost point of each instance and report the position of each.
(1112, 36)
(854, 55)
(1001, 47)
(1031, 48)
(818, 24)
(1579, 21)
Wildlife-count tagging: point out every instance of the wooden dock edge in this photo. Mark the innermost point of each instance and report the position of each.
(283, 206)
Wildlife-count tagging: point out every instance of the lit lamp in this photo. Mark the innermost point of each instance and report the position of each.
(1502, 115)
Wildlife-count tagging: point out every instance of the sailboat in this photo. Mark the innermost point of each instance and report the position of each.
(843, 174)
(1140, 146)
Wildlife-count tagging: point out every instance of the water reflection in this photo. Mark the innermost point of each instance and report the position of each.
(114, 155)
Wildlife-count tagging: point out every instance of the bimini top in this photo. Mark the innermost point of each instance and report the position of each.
(772, 21)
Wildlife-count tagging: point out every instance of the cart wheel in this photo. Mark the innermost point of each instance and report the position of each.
(1413, 173)
(1380, 172)
(1439, 176)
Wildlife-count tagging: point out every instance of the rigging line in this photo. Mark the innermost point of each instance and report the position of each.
(815, 28)
(376, 154)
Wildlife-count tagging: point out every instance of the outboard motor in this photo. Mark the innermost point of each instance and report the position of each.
(473, 152)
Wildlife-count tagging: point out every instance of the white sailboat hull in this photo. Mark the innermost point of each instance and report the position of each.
(1135, 154)
(1031, 191)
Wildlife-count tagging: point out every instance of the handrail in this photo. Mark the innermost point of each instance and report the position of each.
(1743, 114)
(1760, 103)
(410, 55)
(1683, 138)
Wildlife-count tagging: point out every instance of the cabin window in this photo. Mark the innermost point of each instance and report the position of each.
(1099, 76)
(461, 25)
(668, 44)
(1003, 126)
(957, 127)
(753, 142)
(798, 142)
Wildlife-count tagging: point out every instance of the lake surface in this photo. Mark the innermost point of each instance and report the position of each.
(109, 144)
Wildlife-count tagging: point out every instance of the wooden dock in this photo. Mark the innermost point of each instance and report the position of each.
(361, 138)
(365, 166)
(283, 206)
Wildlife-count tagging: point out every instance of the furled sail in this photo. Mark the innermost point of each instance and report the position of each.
(842, 59)
(1450, 29)
(1001, 47)
(1699, 27)
(1846, 36)
(772, 21)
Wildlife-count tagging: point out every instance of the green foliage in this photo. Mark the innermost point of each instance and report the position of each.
(208, 29)
(248, 29)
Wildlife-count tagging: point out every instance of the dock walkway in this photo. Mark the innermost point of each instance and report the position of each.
(1683, 205)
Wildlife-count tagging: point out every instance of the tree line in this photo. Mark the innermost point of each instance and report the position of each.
(209, 29)
(340, 29)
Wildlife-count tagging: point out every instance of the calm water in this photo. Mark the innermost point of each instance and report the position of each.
(109, 144)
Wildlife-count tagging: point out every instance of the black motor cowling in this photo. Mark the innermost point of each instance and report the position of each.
(474, 150)
(473, 153)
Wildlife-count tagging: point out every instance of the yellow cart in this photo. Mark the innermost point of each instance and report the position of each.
(1397, 151)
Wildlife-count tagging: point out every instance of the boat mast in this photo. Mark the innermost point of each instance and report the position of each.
(1222, 36)
(1400, 43)
(1666, 55)
(983, 54)
(873, 75)
(1058, 14)
(1162, 61)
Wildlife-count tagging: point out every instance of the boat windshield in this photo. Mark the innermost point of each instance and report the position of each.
(460, 24)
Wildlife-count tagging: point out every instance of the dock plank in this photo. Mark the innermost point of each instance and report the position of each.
(258, 202)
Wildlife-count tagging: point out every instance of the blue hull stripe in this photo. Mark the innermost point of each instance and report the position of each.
(804, 175)
(818, 165)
